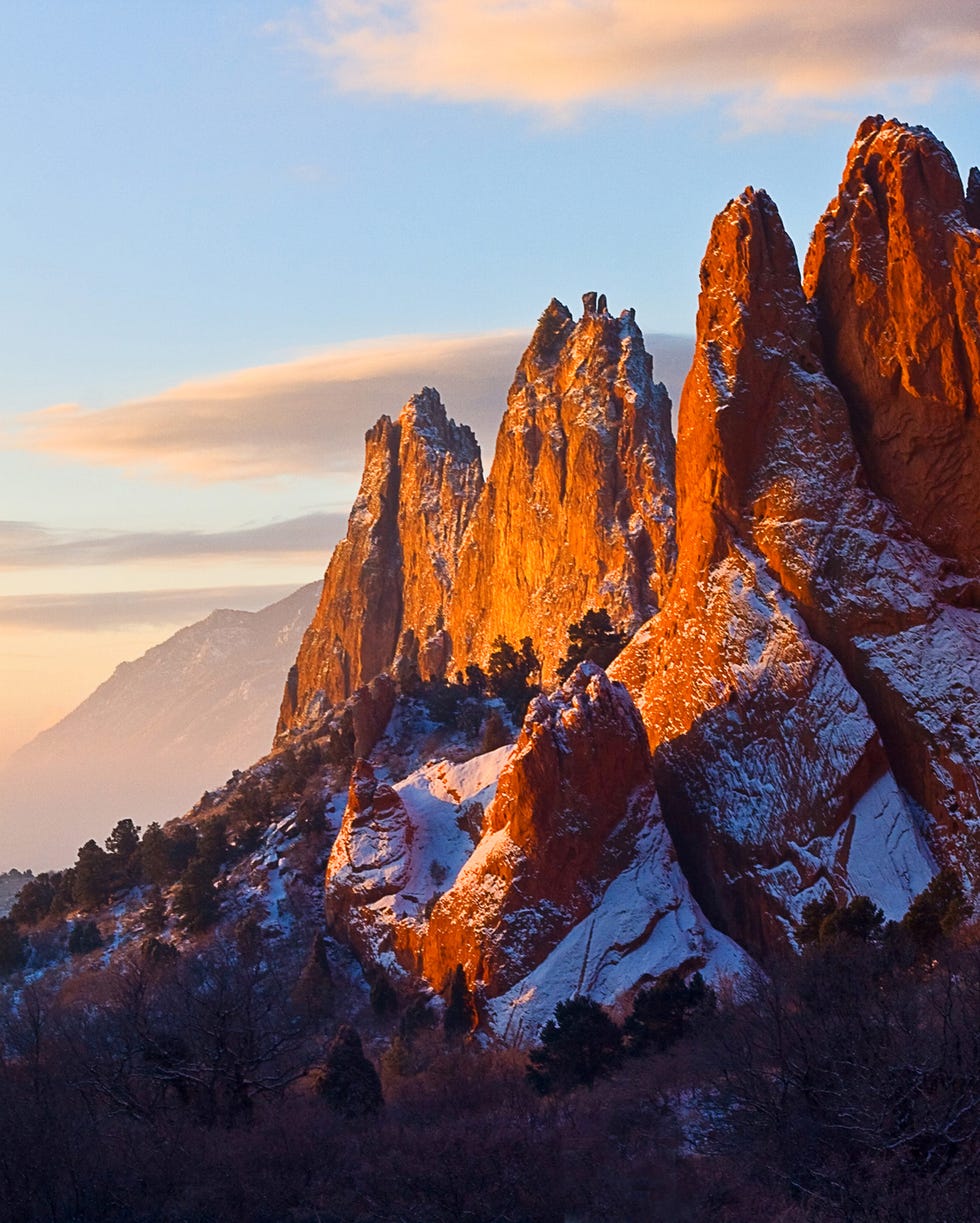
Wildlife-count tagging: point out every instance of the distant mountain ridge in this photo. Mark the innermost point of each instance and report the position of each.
(10, 884)
(158, 732)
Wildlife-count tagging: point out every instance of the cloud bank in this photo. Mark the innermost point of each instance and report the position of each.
(29, 545)
(558, 55)
(128, 609)
(305, 417)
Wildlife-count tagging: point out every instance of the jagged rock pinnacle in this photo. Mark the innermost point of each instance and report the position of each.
(894, 274)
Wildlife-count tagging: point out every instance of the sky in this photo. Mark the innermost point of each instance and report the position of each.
(232, 234)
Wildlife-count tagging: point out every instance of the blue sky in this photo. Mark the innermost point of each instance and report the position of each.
(232, 193)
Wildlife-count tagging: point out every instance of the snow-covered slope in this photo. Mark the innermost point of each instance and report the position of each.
(150, 739)
(545, 868)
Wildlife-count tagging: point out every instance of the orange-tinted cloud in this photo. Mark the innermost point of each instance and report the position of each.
(29, 545)
(304, 417)
(94, 612)
(560, 54)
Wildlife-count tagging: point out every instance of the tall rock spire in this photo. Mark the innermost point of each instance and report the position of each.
(894, 274)
(578, 511)
(393, 571)
(774, 780)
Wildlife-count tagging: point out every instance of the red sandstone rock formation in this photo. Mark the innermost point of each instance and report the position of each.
(572, 885)
(894, 272)
(578, 510)
(772, 774)
(392, 573)
(564, 822)
(809, 685)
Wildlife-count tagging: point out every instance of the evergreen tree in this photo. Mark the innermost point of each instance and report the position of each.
(123, 841)
(460, 1018)
(195, 901)
(34, 900)
(860, 919)
(347, 1080)
(123, 845)
(164, 856)
(938, 910)
(212, 845)
(476, 681)
(154, 913)
(442, 700)
(13, 947)
(815, 912)
(577, 1046)
(314, 992)
(84, 937)
(823, 921)
(93, 876)
(659, 1012)
(384, 1000)
(418, 1017)
(509, 675)
(591, 639)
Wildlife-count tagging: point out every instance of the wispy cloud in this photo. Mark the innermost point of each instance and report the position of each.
(129, 609)
(30, 545)
(304, 417)
(560, 54)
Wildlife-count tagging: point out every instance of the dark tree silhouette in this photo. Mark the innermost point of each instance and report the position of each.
(938, 910)
(460, 1018)
(591, 639)
(84, 937)
(93, 876)
(659, 1012)
(347, 1080)
(13, 947)
(577, 1046)
(823, 921)
(510, 675)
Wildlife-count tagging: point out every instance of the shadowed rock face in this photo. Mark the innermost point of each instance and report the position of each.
(578, 511)
(392, 573)
(894, 274)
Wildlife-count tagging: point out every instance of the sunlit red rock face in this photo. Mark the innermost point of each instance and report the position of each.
(894, 273)
(581, 768)
(393, 572)
(772, 774)
(578, 511)
(572, 884)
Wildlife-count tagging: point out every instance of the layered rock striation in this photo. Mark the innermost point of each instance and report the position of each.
(389, 579)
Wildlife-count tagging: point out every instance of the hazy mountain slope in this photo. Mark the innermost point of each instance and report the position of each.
(148, 741)
(10, 884)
